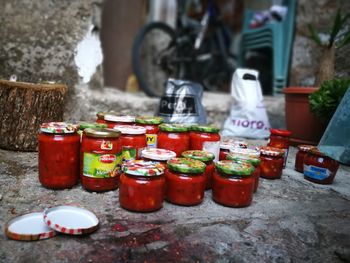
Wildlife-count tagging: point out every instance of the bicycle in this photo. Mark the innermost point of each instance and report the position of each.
(197, 51)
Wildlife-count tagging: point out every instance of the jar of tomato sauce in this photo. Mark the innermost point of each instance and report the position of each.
(116, 119)
(59, 146)
(206, 138)
(151, 124)
(132, 140)
(227, 144)
(174, 137)
(142, 186)
(185, 181)
(100, 156)
(158, 155)
(205, 157)
(233, 183)
(101, 116)
(272, 160)
(299, 158)
(249, 156)
(280, 139)
(319, 168)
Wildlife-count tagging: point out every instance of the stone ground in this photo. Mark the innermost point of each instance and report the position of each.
(290, 220)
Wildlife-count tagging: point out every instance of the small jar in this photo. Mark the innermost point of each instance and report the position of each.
(249, 156)
(205, 157)
(299, 158)
(272, 160)
(142, 186)
(185, 181)
(227, 144)
(158, 155)
(174, 137)
(58, 158)
(206, 138)
(280, 139)
(132, 140)
(116, 119)
(233, 183)
(319, 168)
(101, 116)
(151, 124)
(100, 156)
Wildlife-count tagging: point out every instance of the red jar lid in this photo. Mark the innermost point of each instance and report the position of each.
(203, 156)
(158, 154)
(143, 168)
(186, 165)
(234, 168)
(130, 129)
(271, 151)
(280, 132)
(57, 128)
(305, 147)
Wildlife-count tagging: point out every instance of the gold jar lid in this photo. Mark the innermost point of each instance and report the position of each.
(101, 133)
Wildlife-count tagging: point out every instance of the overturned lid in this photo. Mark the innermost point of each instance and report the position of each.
(149, 120)
(206, 128)
(158, 154)
(186, 165)
(130, 129)
(234, 168)
(271, 151)
(173, 127)
(203, 156)
(57, 127)
(101, 133)
(119, 118)
(280, 132)
(143, 168)
(227, 144)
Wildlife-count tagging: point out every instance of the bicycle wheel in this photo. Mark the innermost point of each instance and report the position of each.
(154, 57)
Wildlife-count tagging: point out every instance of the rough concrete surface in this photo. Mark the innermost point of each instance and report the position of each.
(290, 220)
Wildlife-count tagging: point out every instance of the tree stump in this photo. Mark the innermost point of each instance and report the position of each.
(24, 106)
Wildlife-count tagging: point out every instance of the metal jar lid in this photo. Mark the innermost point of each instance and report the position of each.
(101, 133)
(280, 132)
(158, 154)
(305, 147)
(130, 129)
(245, 151)
(243, 158)
(227, 144)
(58, 128)
(206, 128)
(149, 120)
(186, 165)
(84, 125)
(168, 127)
(203, 156)
(234, 168)
(143, 168)
(271, 151)
(119, 118)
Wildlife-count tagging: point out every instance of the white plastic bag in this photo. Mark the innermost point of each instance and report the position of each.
(248, 116)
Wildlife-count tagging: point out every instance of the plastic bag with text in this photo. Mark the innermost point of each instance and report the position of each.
(248, 116)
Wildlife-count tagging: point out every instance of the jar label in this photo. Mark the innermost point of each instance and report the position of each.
(101, 165)
(315, 172)
(151, 140)
(130, 153)
(106, 145)
(213, 147)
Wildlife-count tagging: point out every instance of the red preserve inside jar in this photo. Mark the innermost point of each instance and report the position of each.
(173, 137)
(185, 181)
(58, 155)
(158, 155)
(205, 138)
(299, 158)
(319, 168)
(142, 186)
(116, 119)
(151, 124)
(280, 139)
(233, 183)
(100, 156)
(272, 160)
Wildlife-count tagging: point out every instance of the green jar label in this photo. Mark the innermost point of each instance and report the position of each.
(130, 153)
(101, 165)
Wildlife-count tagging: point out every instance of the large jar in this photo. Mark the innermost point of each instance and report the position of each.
(132, 140)
(142, 186)
(205, 157)
(100, 156)
(59, 146)
(174, 137)
(280, 139)
(116, 119)
(319, 168)
(227, 144)
(206, 138)
(299, 158)
(233, 183)
(185, 181)
(150, 123)
(272, 160)
(158, 155)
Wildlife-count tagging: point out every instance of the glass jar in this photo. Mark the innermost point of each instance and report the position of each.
(272, 160)
(132, 140)
(319, 168)
(101, 116)
(158, 155)
(280, 139)
(206, 138)
(249, 156)
(58, 157)
(227, 144)
(151, 124)
(205, 157)
(299, 158)
(100, 157)
(233, 183)
(173, 137)
(185, 181)
(142, 186)
(116, 119)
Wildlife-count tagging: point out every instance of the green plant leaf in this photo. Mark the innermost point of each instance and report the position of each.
(345, 40)
(338, 23)
(314, 35)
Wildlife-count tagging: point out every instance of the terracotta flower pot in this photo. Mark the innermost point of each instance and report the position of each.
(306, 128)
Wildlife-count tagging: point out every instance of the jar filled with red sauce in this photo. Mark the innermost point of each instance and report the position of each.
(280, 139)
(101, 116)
(299, 158)
(151, 124)
(142, 186)
(158, 155)
(205, 157)
(206, 138)
(132, 140)
(116, 119)
(227, 144)
(59, 146)
(174, 137)
(319, 168)
(249, 156)
(100, 156)
(185, 181)
(272, 160)
(233, 183)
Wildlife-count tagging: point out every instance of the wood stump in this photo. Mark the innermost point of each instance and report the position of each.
(24, 106)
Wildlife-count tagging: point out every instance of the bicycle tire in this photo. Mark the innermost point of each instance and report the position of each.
(153, 88)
